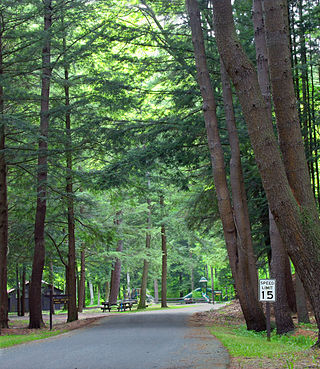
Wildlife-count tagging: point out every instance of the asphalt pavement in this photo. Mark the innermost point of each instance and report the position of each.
(162, 339)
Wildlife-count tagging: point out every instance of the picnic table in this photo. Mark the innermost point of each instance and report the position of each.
(121, 305)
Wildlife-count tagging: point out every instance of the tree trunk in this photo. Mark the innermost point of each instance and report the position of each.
(247, 261)
(72, 278)
(192, 279)
(82, 283)
(39, 248)
(23, 293)
(239, 260)
(144, 282)
(291, 294)
(298, 227)
(156, 291)
(18, 291)
(302, 308)
(116, 273)
(212, 284)
(91, 292)
(284, 321)
(279, 262)
(128, 285)
(164, 265)
(3, 203)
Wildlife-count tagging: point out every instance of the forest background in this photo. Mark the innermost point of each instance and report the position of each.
(125, 147)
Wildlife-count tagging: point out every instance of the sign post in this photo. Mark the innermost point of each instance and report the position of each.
(267, 293)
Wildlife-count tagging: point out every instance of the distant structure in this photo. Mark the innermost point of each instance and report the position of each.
(45, 302)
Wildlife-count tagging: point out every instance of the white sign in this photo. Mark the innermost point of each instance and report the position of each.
(267, 290)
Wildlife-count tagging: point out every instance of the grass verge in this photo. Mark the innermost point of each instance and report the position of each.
(241, 342)
(15, 339)
(251, 350)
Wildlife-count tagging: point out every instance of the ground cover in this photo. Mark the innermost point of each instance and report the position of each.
(250, 350)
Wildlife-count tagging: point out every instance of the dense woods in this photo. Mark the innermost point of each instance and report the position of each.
(145, 144)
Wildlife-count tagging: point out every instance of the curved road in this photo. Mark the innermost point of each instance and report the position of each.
(147, 340)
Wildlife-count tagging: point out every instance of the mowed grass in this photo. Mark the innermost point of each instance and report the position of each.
(15, 339)
(243, 343)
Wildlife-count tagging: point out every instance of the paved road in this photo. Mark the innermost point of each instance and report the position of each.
(148, 340)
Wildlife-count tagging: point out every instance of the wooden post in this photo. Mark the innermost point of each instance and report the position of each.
(268, 320)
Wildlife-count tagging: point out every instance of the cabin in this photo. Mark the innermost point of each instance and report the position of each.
(45, 301)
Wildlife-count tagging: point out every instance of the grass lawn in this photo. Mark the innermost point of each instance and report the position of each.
(14, 339)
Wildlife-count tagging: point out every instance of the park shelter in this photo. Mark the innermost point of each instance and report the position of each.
(45, 301)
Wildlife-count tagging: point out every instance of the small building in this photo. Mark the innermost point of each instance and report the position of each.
(45, 301)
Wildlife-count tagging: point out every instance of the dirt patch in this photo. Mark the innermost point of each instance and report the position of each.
(59, 323)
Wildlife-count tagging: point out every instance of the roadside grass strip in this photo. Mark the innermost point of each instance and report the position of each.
(11, 340)
(250, 344)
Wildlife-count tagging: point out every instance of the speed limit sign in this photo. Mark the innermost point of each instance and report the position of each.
(267, 290)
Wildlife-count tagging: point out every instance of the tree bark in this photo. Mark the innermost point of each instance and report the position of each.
(239, 260)
(116, 272)
(156, 291)
(3, 203)
(283, 317)
(18, 291)
(247, 260)
(23, 293)
(144, 282)
(72, 302)
(82, 283)
(91, 292)
(298, 227)
(279, 261)
(39, 248)
(212, 284)
(302, 308)
(164, 265)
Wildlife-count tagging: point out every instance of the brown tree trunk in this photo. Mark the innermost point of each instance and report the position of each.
(283, 317)
(82, 283)
(23, 293)
(156, 291)
(39, 248)
(3, 204)
(18, 291)
(72, 278)
(144, 282)
(297, 224)
(291, 294)
(247, 260)
(116, 272)
(212, 284)
(164, 260)
(239, 260)
(280, 261)
(302, 308)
